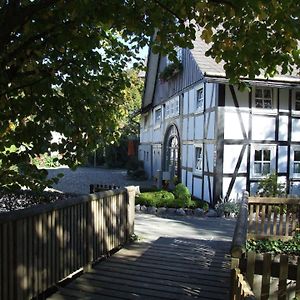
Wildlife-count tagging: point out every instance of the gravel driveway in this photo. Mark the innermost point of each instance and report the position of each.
(79, 181)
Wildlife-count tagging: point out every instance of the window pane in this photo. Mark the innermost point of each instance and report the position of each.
(258, 155)
(297, 155)
(257, 168)
(297, 95)
(268, 104)
(267, 93)
(266, 168)
(258, 93)
(297, 105)
(198, 158)
(296, 167)
(267, 155)
(258, 103)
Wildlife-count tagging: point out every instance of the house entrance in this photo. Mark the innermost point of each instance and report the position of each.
(172, 151)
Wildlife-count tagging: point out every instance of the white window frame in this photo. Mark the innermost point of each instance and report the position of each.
(263, 98)
(261, 147)
(198, 161)
(199, 108)
(156, 121)
(292, 162)
(295, 101)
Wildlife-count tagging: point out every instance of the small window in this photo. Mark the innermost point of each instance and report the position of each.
(200, 99)
(157, 116)
(297, 101)
(145, 121)
(296, 167)
(198, 158)
(262, 162)
(263, 98)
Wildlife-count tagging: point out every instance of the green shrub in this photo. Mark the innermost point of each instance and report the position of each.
(182, 195)
(158, 199)
(291, 247)
(269, 187)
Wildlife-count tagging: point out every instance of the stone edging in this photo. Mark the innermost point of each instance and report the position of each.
(198, 212)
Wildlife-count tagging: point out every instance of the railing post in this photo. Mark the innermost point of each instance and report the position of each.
(131, 192)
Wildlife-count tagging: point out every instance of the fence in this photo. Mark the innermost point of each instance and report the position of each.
(95, 188)
(269, 276)
(273, 217)
(42, 245)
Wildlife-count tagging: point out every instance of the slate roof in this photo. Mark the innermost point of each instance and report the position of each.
(210, 68)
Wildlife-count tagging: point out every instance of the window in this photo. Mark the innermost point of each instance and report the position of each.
(157, 116)
(297, 101)
(200, 99)
(296, 162)
(146, 118)
(198, 158)
(263, 98)
(262, 162)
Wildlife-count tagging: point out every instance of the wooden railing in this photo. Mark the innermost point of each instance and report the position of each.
(273, 217)
(42, 245)
(240, 286)
(267, 275)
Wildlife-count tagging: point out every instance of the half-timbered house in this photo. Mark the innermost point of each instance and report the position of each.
(217, 139)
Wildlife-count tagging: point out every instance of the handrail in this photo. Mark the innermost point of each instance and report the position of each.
(238, 246)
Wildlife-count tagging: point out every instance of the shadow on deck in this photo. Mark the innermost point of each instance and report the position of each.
(167, 268)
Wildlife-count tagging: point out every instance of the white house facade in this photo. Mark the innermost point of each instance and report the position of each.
(218, 140)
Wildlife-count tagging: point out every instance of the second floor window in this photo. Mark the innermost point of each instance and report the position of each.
(200, 99)
(157, 116)
(263, 98)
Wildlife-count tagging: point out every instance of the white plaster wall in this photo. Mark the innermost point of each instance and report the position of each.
(283, 128)
(191, 100)
(282, 158)
(191, 128)
(295, 188)
(211, 125)
(295, 130)
(197, 187)
(206, 188)
(283, 99)
(183, 177)
(189, 183)
(185, 103)
(209, 153)
(242, 97)
(157, 135)
(231, 156)
(185, 129)
(210, 94)
(190, 156)
(237, 189)
(263, 128)
(232, 125)
(199, 127)
(184, 155)
(253, 188)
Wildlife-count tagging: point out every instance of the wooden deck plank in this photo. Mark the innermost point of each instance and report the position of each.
(170, 269)
(181, 259)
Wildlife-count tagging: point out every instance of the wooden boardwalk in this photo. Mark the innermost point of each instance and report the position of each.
(167, 268)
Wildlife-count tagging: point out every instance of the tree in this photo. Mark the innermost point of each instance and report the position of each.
(63, 64)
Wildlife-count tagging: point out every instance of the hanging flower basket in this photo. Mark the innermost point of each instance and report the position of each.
(170, 71)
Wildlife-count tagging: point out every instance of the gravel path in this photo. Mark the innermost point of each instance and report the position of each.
(79, 181)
